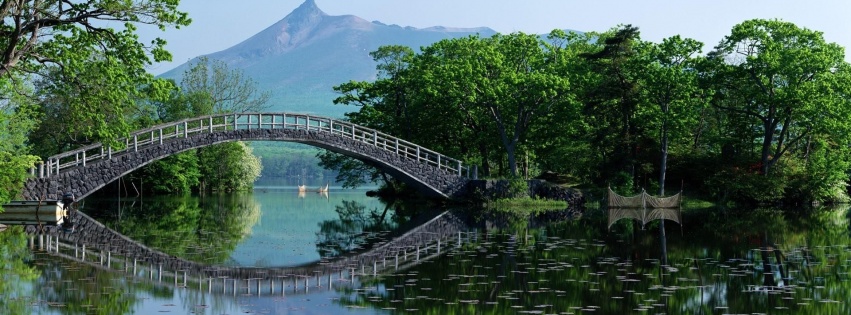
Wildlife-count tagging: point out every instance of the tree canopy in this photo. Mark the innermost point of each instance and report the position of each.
(762, 117)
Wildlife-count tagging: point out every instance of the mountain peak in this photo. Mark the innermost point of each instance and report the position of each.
(306, 11)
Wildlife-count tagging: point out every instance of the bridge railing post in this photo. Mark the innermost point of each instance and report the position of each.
(459, 168)
(41, 170)
(84, 158)
(135, 143)
(185, 129)
(161, 136)
(234, 121)
(211, 125)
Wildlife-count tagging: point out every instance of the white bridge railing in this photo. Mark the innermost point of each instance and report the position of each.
(160, 134)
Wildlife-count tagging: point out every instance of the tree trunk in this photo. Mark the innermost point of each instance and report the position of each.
(767, 138)
(512, 160)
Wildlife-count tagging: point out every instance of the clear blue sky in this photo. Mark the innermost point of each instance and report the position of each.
(219, 24)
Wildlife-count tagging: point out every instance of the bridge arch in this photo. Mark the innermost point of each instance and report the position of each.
(85, 170)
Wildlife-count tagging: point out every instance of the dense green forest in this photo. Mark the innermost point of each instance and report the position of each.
(761, 117)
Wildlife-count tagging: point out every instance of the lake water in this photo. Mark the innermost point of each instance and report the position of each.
(720, 261)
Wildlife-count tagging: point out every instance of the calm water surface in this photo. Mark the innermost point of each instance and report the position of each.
(755, 261)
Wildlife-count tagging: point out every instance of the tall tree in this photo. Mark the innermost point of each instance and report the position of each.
(208, 87)
(670, 82)
(92, 71)
(384, 105)
(612, 101)
(37, 33)
(782, 78)
(508, 78)
(222, 89)
(17, 120)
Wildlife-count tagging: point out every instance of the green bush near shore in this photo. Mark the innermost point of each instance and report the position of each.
(525, 205)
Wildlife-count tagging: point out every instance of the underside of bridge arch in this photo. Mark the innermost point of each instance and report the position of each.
(82, 181)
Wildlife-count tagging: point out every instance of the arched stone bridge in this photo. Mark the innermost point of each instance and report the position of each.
(87, 169)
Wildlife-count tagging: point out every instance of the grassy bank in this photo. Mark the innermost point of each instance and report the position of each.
(525, 205)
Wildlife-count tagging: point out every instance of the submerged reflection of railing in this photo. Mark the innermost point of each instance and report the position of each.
(94, 244)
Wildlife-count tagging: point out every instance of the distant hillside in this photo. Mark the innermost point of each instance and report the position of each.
(301, 57)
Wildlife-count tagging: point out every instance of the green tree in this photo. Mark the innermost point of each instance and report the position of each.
(228, 166)
(94, 71)
(17, 119)
(17, 270)
(221, 88)
(207, 87)
(176, 174)
(611, 103)
(100, 103)
(670, 82)
(563, 137)
(785, 79)
(40, 33)
(463, 96)
(508, 78)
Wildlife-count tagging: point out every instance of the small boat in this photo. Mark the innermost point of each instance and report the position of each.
(323, 189)
(302, 188)
(51, 212)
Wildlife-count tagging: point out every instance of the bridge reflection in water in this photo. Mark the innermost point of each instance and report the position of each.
(96, 245)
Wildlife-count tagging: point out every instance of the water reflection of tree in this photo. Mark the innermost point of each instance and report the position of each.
(81, 289)
(14, 270)
(355, 228)
(202, 229)
(713, 264)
